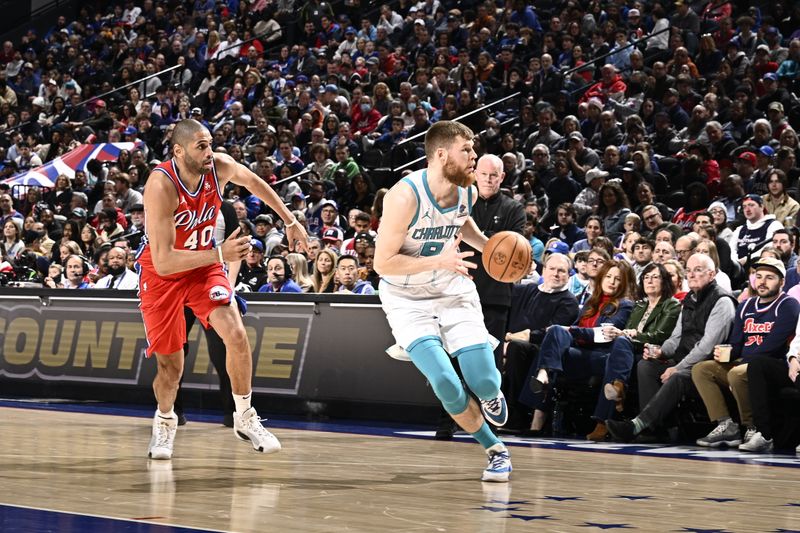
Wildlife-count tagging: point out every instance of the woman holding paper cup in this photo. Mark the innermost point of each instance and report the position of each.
(580, 351)
(651, 322)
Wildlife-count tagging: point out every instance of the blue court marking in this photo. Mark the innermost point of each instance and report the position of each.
(15, 518)
(391, 429)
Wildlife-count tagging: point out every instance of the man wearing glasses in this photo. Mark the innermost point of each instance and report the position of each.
(665, 373)
(541, 164)
(684, 247)
(654, 222)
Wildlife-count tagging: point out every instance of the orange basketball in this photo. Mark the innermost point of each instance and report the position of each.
(507, 257)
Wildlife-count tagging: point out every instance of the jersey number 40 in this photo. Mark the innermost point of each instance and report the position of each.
(204, 237)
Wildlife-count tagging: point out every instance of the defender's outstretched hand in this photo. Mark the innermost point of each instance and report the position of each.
(297, 237)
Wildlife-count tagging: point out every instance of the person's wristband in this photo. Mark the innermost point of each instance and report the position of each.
(219, 253)
(295, 222)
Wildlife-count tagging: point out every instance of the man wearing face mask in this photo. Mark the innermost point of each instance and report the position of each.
(119, 277)
(365, 117)
(279, 276)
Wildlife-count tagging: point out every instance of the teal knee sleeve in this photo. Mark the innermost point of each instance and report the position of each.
(429, 357)
(480, 372)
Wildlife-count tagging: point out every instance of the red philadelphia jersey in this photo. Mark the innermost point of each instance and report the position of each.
(195, 216)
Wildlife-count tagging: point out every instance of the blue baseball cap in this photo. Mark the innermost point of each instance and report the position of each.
(257, 245)
(767, 150)
(558, 247)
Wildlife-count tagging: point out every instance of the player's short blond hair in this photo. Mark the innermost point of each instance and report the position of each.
(443, 134)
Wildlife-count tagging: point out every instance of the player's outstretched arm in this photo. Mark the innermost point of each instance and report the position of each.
(160, 201)
(470, 231)
(473, 235)
(229, 169)
(399, 206)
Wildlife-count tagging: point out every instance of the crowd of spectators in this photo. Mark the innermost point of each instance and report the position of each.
(634, 131)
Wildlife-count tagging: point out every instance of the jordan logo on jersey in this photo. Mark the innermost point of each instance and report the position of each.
(189, 219)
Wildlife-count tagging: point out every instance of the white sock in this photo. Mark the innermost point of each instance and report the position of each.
(542, 376)
(170, 414)
(242, 402)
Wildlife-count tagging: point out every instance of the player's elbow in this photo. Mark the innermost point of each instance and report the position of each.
(161, 266)
(380, 266)
(161, 271)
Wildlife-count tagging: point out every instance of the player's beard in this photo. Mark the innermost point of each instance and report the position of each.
(195, 166)
(458, 176)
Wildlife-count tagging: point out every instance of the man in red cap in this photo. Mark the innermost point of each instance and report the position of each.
(745, 165)
(98, 124)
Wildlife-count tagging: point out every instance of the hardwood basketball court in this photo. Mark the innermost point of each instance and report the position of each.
(82, 471)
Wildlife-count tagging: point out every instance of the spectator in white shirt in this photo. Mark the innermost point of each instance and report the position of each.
(119, 277)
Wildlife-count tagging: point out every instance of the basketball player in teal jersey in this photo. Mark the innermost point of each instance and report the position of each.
(426, 290)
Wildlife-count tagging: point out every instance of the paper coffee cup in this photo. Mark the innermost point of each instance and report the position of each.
(724, 353)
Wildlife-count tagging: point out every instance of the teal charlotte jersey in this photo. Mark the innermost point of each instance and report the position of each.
(432, 231)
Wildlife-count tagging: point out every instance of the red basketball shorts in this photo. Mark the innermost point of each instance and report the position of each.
(162, 302)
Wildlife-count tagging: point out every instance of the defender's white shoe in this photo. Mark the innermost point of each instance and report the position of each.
(163, 436)
(247, 426)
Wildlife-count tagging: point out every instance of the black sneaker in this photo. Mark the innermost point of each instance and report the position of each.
(181, 418)
(621, 430)
(446, 429)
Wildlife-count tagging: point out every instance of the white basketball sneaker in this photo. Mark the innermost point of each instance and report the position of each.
(163, 437)
(247, 426)
(499, 468)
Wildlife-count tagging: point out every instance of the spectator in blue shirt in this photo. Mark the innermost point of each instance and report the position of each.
(525, 16)
(279, 276)
(347, 272)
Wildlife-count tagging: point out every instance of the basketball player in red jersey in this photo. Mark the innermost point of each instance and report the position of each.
(181, 266)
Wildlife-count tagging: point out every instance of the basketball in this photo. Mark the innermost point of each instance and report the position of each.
(507, 257)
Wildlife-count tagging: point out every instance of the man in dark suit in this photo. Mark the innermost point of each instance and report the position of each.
(493, 212)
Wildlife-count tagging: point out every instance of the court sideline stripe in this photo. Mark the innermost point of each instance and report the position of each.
(107, 517)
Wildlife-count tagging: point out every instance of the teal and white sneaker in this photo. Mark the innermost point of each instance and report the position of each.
(495, 410)
(499, 468)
